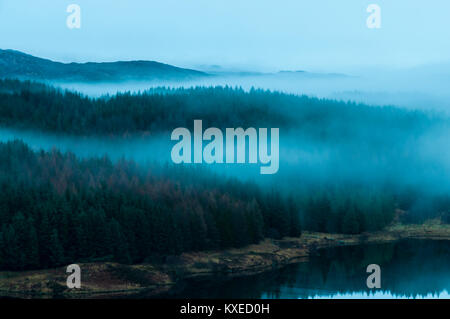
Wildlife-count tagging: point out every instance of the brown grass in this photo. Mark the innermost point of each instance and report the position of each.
(112, 279)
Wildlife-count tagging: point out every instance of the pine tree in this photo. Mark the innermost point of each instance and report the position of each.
(56, 252)
(294, 217)
(118, 244)
(350, 224)
(12, 259)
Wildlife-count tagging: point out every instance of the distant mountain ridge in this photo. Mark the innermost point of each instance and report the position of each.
(16, 64)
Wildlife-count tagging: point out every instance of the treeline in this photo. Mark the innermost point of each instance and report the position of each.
(36, 106)
(355, 207)
(419, 206)
(14, 86)
(56, 209)
(348, 209)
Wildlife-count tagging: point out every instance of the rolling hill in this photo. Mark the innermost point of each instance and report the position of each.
(16, 64)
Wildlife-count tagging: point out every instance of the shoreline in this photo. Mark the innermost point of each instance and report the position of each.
(113, 280)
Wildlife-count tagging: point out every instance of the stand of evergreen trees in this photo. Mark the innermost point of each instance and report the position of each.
(349, 210)
(31, 105)
(37, 106)
(56, 209)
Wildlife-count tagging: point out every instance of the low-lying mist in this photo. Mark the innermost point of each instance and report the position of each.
(414, 161)
(324, 144)
(424, 88)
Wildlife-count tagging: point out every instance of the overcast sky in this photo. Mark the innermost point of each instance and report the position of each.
(320, 35)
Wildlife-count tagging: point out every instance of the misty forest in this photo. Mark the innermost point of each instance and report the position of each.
(224, 150)
(344, 168)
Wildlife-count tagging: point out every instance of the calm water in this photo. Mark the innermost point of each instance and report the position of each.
(409, 269)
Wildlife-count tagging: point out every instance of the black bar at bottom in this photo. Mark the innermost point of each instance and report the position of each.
(207, 308)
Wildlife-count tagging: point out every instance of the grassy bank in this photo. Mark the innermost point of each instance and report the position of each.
(100, 280)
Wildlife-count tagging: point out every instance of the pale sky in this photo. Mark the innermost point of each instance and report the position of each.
(327, 35)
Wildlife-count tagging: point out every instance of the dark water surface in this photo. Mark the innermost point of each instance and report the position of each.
(409, 269)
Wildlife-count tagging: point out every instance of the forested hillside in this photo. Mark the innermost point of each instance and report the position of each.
(16, 64)
(36, 106)
(56, 209)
